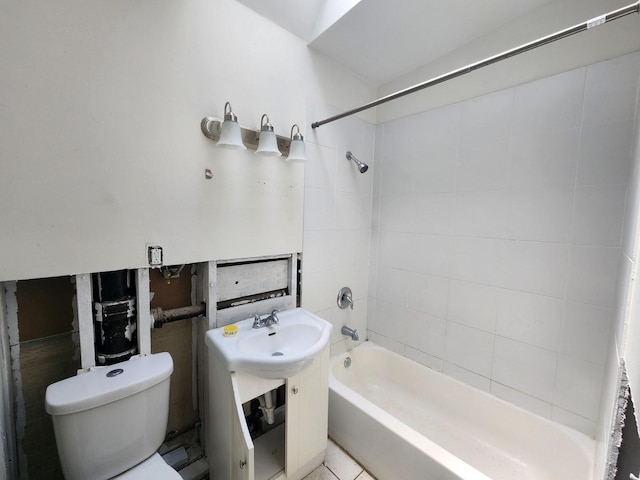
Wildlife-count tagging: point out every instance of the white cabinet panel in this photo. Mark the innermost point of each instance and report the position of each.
(242, 464)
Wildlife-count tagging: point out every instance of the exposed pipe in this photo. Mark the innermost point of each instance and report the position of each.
(594, 22)
(114, 296)
(267, 406)
(160, 317)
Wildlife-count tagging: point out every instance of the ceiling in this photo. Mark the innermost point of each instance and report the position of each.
(381, 40)
(404, 34)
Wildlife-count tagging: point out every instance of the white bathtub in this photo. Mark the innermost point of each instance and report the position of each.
(404, 421)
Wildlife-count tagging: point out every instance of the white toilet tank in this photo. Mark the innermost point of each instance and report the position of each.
(111, 418)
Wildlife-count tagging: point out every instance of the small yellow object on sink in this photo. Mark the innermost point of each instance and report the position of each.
(230, 330)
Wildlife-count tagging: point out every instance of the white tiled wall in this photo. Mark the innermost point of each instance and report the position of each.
(497, 237)
(337, 221)
(627, 318)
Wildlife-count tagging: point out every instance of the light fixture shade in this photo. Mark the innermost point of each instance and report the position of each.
(268, 145)
(267, 142)
(297, 150)
(230, 134)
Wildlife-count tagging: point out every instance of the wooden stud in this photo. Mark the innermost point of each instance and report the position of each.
(85, 321)
(143, 309)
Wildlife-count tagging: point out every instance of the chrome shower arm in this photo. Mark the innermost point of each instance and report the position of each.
(362, 167)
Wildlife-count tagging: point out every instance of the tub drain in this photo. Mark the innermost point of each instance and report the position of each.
(347, 362)
(277, 354)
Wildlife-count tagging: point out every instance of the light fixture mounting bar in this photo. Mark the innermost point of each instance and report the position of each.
(594, 22)
(211, 129)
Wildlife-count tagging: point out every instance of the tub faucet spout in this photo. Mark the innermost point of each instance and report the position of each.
(350, 332)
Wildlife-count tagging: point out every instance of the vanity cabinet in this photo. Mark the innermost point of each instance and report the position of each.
(291, 450)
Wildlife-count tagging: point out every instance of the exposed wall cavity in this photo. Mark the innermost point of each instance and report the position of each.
(43, 335)
(8, 456)
(177, 339)
(628, 458)
(619, 420)
(43, 351)
(18, 398)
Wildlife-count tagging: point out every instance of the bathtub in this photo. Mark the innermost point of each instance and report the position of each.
(404, 421)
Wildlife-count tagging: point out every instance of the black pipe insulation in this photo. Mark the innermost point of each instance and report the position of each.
(160, 317)
(115, 316)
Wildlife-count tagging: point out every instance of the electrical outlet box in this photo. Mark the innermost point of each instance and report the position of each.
(154, 255)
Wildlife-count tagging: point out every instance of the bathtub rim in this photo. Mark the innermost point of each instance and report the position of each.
(585, 444)
(418, 441)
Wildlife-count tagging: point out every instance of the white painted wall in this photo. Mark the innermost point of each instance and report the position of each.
(498, 232)
(100, 109)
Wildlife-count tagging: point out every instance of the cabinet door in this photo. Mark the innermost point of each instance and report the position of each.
(307, 413)
(242, 464)
(292, 457)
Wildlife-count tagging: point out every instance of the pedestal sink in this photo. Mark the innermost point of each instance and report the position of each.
(276, 351)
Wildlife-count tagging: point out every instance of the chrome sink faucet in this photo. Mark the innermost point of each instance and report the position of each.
(270, 319)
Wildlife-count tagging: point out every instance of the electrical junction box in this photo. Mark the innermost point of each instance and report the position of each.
(154, 255)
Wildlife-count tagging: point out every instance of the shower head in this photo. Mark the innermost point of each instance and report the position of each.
(362, 167)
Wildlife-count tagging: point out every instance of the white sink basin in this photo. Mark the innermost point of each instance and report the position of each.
(277, 351)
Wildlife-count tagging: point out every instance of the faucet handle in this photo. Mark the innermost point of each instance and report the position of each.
(349, 300)
(345, 298)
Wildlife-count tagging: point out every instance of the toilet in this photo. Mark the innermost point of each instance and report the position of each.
(110, 421)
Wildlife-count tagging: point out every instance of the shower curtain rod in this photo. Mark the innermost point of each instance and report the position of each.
(594, 22)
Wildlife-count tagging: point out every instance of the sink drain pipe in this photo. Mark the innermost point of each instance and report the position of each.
(267, 406)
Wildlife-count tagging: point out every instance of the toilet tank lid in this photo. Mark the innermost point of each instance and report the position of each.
(104, 385)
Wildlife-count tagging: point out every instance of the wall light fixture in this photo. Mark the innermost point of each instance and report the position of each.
(297, 150)
(267, 142)
(224, 134)
(230, 136)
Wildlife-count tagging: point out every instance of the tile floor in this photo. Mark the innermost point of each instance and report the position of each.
(338, 465)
